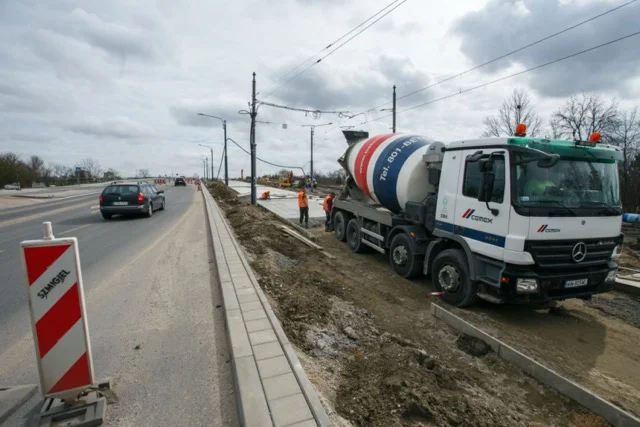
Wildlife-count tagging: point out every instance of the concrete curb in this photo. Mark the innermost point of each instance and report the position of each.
(11, 398)
(627, 286)
(255, 373)
(589, 400)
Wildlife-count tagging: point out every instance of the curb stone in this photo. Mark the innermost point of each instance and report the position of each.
(272, 388)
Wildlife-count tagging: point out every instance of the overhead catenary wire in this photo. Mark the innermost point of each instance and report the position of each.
(334, 50)
(307, 110)
(491, 61)
(265, 161)
(537, 67)
(336, 41)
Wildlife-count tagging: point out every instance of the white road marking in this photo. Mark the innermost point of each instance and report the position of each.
(74, 229)
(3, 250)
(95, 207)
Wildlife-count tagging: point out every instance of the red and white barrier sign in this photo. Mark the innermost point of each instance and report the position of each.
(58, 317)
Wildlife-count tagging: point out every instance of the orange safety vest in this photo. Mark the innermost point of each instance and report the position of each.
(328, 204)
(302, 199)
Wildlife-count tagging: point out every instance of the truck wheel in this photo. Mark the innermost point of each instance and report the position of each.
(403, 260)
(353, 236)
(340, 226)
(451, 276)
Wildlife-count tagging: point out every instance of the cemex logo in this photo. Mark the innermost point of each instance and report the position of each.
(544, 228)
(468, 214)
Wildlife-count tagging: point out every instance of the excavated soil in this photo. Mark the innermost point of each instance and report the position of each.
(372, 349)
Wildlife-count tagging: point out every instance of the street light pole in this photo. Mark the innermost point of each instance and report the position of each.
(393, 127)
(394, 108)
(226, 164)
(311, 162)
(253, 141)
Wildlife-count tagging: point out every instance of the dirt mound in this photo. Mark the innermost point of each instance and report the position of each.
(382, 359)
(221, 192)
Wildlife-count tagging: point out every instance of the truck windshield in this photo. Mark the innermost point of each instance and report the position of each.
(571, 183)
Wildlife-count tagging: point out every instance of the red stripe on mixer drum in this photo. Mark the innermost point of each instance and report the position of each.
(363, 158)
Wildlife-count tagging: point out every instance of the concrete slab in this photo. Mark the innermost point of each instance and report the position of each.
(289, 410)
(11, 398)
(283, 203)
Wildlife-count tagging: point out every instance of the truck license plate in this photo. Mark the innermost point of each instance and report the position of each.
(576, 283)
(120, 203)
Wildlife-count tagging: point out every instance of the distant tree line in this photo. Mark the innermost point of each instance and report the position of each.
(578, 118)
(26, 172)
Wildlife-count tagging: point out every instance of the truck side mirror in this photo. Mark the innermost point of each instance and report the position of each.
(486, 186)
(486, 183)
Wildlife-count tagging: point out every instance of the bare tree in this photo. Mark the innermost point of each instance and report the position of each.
(582, 115)
(144, 173)
(91, 167)
(626, 135)
(517, 108)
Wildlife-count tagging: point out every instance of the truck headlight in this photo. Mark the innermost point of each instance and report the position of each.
(617, 251)
(527, 286)
(611, 276)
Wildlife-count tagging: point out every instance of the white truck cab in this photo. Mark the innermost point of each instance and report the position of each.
(513, 219)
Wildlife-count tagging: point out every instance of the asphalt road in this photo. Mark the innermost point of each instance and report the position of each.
(151, 306)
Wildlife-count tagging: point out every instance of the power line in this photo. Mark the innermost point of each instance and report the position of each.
(337, 48)
(265, 161)
(315, 113)
(537, 67)
(491, 61)
(336, 41)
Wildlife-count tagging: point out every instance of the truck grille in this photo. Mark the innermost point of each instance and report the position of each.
(557, 253)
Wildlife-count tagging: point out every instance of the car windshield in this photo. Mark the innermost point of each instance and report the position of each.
(573, 183)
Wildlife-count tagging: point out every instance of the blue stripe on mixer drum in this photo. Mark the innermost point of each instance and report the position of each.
(389, 165)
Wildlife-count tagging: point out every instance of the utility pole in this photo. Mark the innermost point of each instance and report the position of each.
(211, 163)
(311, 162)
(226, 165)
(311, 165)
(252, 140)
(206, 168)
(394, 109)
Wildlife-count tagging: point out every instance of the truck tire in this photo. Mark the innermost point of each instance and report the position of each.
(353, 236)
(402, 257)
(450, 274)
(340, 226)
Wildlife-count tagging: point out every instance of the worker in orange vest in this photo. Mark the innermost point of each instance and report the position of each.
(303, 204)
(327, 206)
(266, 195)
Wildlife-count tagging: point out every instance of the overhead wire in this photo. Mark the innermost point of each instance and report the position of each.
(491, 61)
(336, 49)
(337, 40)
(537, 67)
(265, 161)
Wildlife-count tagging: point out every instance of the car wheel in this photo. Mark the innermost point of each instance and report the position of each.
(149, 210)
(450, 275)
(403, 260)
(106, 216)
(162, 205)
(339, 225)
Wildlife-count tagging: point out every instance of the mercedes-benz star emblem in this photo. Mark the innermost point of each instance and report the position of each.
(579, 252)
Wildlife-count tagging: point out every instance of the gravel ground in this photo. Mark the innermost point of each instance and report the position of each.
(369, 345)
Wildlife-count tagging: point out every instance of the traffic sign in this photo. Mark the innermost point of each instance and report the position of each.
(78, 169)
(58, 316)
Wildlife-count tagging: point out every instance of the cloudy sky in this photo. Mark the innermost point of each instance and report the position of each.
(122, 81)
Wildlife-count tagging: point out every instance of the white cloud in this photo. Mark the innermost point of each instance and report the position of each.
(121, 81)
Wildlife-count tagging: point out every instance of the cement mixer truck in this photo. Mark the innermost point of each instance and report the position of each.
(506, 220)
